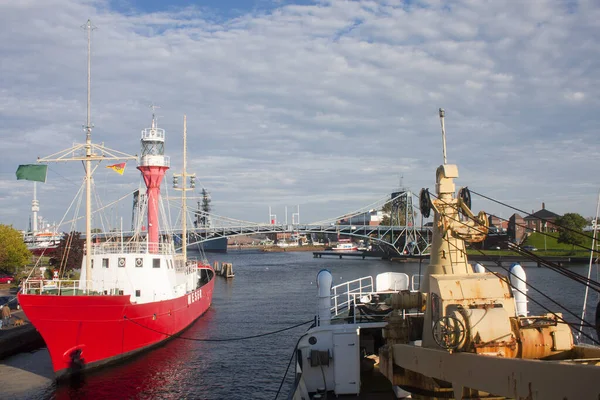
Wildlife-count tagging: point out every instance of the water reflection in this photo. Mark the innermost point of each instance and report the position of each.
(155, 374)
(270, 291)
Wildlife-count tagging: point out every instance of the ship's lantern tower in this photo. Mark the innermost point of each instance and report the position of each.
(153, 164)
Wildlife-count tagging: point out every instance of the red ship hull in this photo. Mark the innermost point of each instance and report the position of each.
(83, 332)
(40, 251)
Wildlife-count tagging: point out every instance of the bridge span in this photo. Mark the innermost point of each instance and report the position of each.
(402, 239)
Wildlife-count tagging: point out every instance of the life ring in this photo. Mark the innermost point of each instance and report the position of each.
(121, 262)
(425, 203)
(138, 262)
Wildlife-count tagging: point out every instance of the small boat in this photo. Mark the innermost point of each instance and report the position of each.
(40, 243)
(42, 238)
(132, 295)
(464, 333)
(345, 245)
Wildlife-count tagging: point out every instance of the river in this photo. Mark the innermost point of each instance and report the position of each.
(270, 292)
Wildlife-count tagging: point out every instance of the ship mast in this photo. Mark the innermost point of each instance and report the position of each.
(87, 153)
(448, 255)
(184, 188)
(88, 160)
(183, 195)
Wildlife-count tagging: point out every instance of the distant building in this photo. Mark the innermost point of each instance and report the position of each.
(371, 217)
(516, 228)
(499, 224)
(541, 221)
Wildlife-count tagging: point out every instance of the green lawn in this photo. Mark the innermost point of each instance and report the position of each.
(547, 244)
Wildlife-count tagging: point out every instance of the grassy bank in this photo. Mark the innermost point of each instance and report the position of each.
(548, 244)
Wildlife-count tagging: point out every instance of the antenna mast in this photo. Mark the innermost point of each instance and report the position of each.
(88, 161)
(442, 114)
(89, 27)
(87, 153)
(183, 196)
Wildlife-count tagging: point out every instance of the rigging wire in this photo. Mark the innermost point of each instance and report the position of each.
(420, 259)
(67, 251)
(530, 285)
(71, 181)
(529, 215)
(548, 264)
(290, 361)
(582, 321)
(99, 209)
(594, 244)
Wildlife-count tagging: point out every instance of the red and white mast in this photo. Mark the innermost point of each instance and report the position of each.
(153, 164)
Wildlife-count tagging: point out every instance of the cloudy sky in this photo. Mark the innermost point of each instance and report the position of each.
(326, 104)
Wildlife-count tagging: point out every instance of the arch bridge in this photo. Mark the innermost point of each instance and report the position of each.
(399, 234)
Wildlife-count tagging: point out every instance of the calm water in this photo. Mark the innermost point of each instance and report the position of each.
(270, 291)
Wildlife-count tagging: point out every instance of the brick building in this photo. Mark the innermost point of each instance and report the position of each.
(541, 221)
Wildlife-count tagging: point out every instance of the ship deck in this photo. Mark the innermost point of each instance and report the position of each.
(374, 385)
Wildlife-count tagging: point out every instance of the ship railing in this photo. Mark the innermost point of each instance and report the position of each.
(132, 248)
(367, 299)
(70, 287)
(188, 266)
(344, 295)
(347, 295)
(415, 282)
(153, 134)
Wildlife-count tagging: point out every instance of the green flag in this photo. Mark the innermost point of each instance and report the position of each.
(32, 172)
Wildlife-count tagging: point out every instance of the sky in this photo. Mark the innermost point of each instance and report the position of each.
(325, 105)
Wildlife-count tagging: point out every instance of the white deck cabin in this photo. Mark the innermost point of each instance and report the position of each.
(130, 269)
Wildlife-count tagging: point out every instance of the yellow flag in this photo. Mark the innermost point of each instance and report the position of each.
(118, 168)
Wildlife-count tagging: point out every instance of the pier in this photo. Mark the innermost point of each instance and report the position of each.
(224, 269)
(341, 254)
(19, 335)
(494, 259)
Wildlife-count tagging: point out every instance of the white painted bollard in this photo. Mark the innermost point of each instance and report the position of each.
(518, 281)
(324, 282)
(478, 268)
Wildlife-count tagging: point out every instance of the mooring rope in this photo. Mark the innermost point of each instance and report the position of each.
(175, 336)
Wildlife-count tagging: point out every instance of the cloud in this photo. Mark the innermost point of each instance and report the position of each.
(326, 105)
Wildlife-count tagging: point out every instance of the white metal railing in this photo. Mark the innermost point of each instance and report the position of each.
(188, 267)
(65, 287)
(415, 282)
(350, 293)
(346, 293)
(153, 133)
(132, 248)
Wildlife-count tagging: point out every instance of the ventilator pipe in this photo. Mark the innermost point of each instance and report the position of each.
(478, 268)
(324, 282)
(518, 281)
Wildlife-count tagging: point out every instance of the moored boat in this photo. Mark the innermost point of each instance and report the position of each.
(40, 243)
(132, 295)
(41, 238)
(345, 245)
(465, 333)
